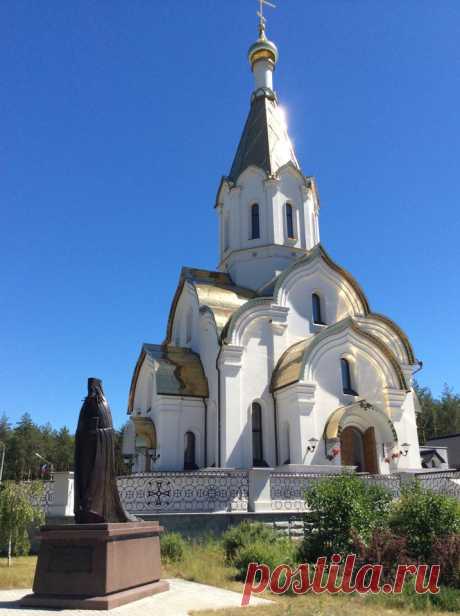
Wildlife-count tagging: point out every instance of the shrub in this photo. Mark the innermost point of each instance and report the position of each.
(422, 516)
(173, 547)
(384, 548)
(280, 551)
(342, 508)
(244, 534)
(446, 552)
(20, 509)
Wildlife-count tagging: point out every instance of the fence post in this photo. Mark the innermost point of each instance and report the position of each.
(259, 489)
(62, 503)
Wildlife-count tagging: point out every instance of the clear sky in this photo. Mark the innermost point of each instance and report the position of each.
(119, 118)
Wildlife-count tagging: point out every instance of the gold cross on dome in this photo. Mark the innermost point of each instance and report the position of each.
(260, 14)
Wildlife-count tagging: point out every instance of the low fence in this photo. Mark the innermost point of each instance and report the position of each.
(185, 492)
(287, 489)
(221, 490)
(441, 482)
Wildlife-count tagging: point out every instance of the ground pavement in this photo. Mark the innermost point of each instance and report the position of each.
(182, 597)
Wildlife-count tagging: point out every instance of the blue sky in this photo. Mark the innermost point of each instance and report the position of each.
(118, 120)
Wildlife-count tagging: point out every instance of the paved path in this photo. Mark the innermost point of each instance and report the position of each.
(182, 597)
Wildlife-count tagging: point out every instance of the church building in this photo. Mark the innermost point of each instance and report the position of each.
(276, 358)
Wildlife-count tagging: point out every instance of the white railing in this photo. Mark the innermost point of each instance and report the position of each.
(185, 492)
(287, 489)
(441, 482)
(222, 490)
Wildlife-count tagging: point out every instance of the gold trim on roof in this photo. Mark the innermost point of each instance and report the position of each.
(177, 371)
(215, 291)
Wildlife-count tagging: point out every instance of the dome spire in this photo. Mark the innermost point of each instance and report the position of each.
(262, 20)
(263, 54)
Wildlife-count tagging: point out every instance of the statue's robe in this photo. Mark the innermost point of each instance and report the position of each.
(96, 493)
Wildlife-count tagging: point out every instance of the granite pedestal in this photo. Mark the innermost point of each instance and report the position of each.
(97, 566)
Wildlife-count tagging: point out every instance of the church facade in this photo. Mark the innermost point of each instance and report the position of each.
(276, 359)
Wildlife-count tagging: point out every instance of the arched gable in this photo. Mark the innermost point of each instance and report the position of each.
(299, 362)
(383, 327)
(254, 309)
(215, 294)
(362, 409)
(315, 259)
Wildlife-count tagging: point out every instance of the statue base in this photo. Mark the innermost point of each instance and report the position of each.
(97, 566)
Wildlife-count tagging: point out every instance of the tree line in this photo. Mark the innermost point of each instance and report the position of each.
(33, 451)
(437, 416)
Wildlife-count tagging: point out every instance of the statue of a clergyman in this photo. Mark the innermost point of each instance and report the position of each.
(96, 493)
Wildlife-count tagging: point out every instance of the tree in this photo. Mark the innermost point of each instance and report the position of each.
(437, 417)
(63, 450)
(20, 508)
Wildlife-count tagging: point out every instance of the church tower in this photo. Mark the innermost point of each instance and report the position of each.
(276, 359)
(268, 210)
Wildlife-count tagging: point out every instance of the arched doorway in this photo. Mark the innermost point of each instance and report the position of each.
(190, 452)
(359, 449)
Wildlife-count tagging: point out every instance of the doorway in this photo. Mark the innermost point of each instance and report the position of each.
(359, 449)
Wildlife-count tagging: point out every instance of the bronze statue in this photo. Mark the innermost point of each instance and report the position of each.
(96, 493)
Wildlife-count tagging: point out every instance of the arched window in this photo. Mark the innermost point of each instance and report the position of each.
(255, 221)
(347, 382)
(257, 450)
(316, 309)
(189, 452)
(289, 221)
(188, 326)
(287, 447)
(226, 233)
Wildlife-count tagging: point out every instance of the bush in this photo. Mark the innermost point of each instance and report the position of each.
(244, 534)
(422, 516)
(341, 509)
(384, 548)
(278, 552)
(20, 509)
(172, 546)
(446, 552)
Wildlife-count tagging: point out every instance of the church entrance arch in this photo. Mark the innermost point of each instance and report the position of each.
(358, 449)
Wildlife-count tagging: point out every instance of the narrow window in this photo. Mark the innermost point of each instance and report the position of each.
(316, 306)
(289, 221)
(226, 233)
(257, 453)
(188, 327)
(347, 383)
(189, 452)
(255, 222)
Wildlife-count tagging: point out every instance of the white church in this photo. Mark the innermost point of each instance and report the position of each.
(276, 358)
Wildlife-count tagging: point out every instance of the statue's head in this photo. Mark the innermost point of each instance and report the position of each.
(95, 387)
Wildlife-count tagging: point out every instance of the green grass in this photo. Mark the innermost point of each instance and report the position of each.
(20, 575)
(204, 562)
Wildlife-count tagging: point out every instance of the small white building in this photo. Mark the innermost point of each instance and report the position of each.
(276, 358)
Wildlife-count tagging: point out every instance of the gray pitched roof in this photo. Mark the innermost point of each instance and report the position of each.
(265, 142)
